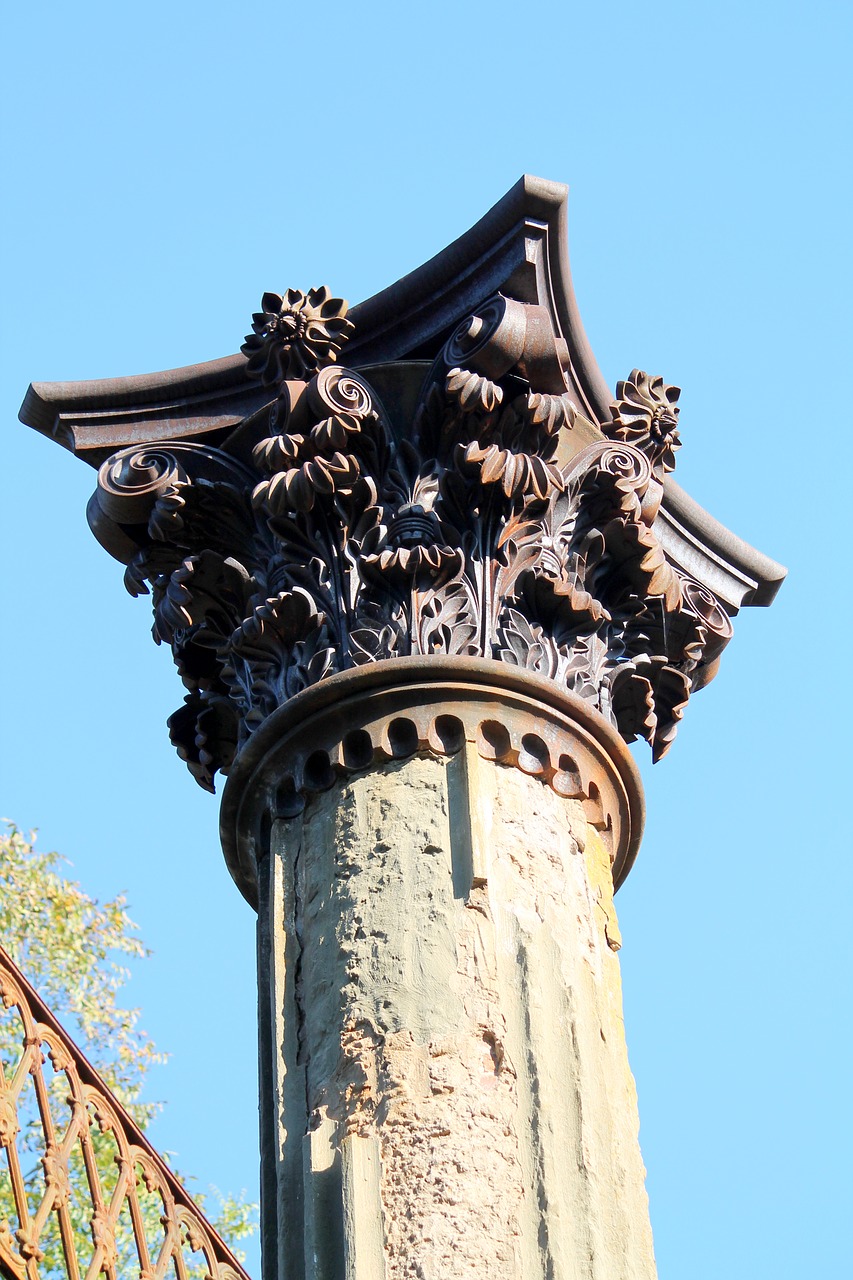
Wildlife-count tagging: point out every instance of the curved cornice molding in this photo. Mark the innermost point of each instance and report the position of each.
(704, 548)
(519, 248)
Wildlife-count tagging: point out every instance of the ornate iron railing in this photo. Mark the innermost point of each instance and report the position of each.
(82, 1191)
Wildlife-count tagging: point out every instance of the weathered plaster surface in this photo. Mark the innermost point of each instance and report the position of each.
(447, 1007)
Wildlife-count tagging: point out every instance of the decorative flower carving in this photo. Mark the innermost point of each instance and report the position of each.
(645, 414)
(295, 335)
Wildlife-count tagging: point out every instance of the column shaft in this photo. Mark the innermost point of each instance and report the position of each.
(451, 1087)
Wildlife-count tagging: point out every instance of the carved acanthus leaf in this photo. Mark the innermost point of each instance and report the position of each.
(632, 702)
(205, 733)
(671, 694)
(448, 621)
(355, 536)
(299, 488)
(206, 594)
(275, 626)
(549, 412)
(517, 473)
(560, 602)
(525, 644)
(408, 564)
(472, 392)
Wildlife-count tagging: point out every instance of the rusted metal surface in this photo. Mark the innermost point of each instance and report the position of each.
(82, 1191)
(463, 485)
(519, 248)
(390, 711)
(461, 508)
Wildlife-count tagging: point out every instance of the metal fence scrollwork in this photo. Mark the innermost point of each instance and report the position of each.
(82, 1191)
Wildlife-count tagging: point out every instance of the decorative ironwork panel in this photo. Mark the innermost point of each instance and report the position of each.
(82, 1191)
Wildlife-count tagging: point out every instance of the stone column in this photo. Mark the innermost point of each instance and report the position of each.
(449, 1089)
(419, 602)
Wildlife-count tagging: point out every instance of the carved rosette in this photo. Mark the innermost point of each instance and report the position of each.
(330, 533)
(645, 414)
(295, 334)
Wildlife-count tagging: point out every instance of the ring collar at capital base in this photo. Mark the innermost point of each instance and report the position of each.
(395, 709)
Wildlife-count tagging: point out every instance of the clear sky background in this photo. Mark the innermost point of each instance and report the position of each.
(167, 163)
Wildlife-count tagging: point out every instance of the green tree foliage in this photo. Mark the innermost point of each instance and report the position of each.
(71, 949)
(75, 952)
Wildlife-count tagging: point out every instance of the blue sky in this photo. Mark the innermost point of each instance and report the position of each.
(166, 165)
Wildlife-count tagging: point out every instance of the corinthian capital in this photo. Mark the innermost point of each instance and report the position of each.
(457, 507)
(440, 470)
